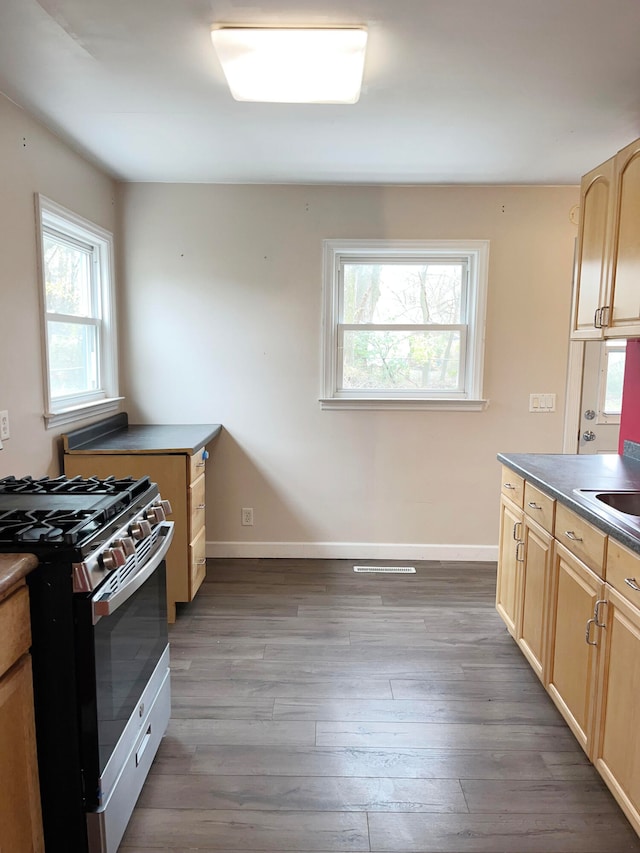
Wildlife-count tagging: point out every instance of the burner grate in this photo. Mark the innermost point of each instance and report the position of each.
(47, 526)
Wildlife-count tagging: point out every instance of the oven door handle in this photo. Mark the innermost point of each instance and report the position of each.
(105, 606)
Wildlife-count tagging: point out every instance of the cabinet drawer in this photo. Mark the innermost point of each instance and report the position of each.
(512, 485)
(581, 538)
(15, 633)
(197, 562)
(196, 506)
(539, 507)
(196, 465)
(623, 571)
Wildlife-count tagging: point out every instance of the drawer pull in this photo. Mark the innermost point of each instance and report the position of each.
(199, 464)
(632, 583)
(571, 535)
(201, 562)
(508, 486)
(534, 505)
(201, 506)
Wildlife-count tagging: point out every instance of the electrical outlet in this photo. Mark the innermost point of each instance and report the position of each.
(4, 425)
(247, 516)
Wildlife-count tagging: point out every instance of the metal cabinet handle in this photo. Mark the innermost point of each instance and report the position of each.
(200, 464)
(508, 486)
(201, 506)
(632, 583)
(534, 505)
(571, 535)
(516, 532)
(596, 313)
(519, 559)
(588, 631)
(596, 612)
(604, 318)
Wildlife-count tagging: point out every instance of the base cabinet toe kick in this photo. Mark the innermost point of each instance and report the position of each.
(569, 594)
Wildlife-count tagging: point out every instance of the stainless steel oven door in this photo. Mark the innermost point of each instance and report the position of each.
(129, 639)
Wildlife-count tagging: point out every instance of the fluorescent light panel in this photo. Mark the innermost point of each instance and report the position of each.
(293, 65)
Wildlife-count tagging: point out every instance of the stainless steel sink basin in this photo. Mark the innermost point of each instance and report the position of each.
(625, 502)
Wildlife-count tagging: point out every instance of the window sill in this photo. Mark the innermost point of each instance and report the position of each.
(85, 410)
(406, 404)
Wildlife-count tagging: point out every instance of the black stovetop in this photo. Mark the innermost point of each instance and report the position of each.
(57, 511)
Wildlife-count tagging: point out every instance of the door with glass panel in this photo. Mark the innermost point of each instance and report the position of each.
(601, 401)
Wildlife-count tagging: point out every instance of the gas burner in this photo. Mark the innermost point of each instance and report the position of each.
(48, 526)
(72, 486)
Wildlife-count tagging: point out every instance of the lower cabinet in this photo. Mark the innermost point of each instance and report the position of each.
(20, 815)
(511, 550)
(573, 638)
(573, 607)
(536, 569)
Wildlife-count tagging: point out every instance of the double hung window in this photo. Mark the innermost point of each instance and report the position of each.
(78, 317)
(404, 324)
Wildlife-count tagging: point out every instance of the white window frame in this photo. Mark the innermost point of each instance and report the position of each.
(57, 220)
(606, 348)
(469, 396)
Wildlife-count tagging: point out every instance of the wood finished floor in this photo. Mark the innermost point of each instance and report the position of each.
(315, 709)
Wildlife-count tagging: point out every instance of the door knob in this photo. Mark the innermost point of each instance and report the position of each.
(589, 435)
(589, 414)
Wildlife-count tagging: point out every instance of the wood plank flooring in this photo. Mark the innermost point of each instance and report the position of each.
(316, 709)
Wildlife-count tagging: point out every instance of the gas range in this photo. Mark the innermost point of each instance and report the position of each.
(100, 653)
(96, 525)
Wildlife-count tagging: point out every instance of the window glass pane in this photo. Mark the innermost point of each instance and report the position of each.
(67, 271)
(614, 382)
(402, 293)
(72, 358)
(401, 361)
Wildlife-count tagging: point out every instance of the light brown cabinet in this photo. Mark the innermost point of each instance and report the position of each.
(606, 298)
(572, 642)
(532, 617)
(616, 752)
(511, 555)
(20, 813)
(578, 624)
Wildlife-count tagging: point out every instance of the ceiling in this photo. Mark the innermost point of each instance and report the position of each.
(455, 91)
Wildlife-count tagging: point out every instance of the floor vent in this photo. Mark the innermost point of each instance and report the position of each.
(392, 570)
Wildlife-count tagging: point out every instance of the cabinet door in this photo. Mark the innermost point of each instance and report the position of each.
(531, 622)
(511, 550)
(20, 816)
(571, 668)
(591, 286)
(617, 742)
(624, 319)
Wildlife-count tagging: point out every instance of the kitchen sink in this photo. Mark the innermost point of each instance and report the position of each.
(625, 502)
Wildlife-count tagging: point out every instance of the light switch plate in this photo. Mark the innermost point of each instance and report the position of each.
(4, 425)
(543, 402)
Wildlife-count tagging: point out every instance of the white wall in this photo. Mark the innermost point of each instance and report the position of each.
(34, 160)
(222, 323)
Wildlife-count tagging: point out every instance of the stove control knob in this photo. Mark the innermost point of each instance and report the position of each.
(155, 514)
(166, 506)
(113, 557)
(127, 544)
(140, 529)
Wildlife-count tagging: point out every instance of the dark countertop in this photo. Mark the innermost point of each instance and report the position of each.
(14, 567)
(117, 435)
(559, 474)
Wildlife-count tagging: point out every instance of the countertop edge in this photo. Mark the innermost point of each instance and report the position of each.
(115, 443)
(13, 568)
(608, 523)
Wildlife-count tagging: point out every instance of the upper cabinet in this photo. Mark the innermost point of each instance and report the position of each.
(606, 298)
(624, 317)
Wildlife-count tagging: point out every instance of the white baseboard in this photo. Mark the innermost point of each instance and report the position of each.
(352, 551)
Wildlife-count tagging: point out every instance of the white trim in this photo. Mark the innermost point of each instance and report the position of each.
(86, 410)
(352, 551)
(57, 218)
(573, 399)
(475, 252)
(437, 405)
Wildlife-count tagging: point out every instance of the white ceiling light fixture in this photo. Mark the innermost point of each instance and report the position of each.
(293, 65)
